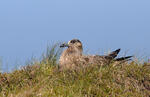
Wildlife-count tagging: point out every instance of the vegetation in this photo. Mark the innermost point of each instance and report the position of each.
(43, 79)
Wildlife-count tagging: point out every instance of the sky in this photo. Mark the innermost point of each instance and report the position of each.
(28, 26)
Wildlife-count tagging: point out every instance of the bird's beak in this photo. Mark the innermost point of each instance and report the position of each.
(64, 45)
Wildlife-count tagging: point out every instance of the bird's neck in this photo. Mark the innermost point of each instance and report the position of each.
(74, 51)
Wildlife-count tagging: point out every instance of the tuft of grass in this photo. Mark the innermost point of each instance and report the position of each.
(52, 54)
(43, 79)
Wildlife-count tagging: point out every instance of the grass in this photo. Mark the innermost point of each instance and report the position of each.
(43, 79)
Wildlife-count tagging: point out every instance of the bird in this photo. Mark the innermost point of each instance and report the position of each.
(73, 56)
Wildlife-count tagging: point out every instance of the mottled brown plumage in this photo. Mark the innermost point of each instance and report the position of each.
(73, 56)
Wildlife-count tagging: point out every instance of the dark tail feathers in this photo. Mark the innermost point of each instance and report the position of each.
(114, 53)
(123, 58)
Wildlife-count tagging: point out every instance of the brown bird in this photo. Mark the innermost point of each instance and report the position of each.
(73, 56)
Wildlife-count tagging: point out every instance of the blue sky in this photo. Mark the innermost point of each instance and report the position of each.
(27, 26)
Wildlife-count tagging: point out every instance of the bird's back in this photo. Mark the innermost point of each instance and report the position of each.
(97, 60)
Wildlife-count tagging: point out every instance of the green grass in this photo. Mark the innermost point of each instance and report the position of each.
(43, 79)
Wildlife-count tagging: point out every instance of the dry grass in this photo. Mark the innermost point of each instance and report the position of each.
(43, 79)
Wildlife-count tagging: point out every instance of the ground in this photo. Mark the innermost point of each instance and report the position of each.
(43, 79)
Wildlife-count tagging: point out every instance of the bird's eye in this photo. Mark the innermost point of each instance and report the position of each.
(73, 41)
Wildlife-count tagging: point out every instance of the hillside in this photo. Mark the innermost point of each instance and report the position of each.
(43, 79)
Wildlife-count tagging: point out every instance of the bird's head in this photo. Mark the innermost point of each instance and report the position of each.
(74, 44)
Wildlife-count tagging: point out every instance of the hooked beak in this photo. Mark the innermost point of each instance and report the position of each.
(64, 45)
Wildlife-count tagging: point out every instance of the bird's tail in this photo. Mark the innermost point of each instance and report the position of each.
(114, 53)
(123, 58)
